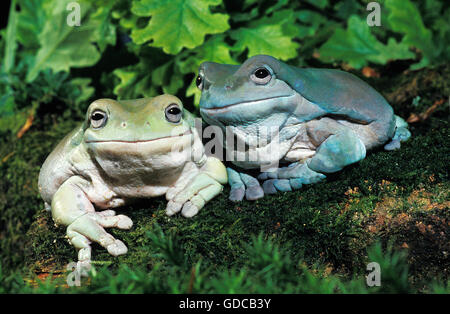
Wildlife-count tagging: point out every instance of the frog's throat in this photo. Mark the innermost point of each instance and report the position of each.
(187, 132)
(225, 108)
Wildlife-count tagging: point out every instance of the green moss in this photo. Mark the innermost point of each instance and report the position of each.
(398, 197)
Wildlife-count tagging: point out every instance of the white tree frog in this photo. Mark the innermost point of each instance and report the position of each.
(126, 150)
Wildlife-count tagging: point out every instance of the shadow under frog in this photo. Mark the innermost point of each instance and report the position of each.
(126, 150)
(324, 120)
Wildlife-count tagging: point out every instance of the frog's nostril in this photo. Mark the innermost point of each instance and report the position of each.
(147, 123)
(124, 124)
(227, 87)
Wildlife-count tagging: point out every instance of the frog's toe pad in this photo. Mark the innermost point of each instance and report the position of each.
(392, 145)
(254, 192)
(124, 222)
(282, 185)
(237, 194)
(173, 208)
(296, 183)
(117, 248)
(269, 187)
(189, 209)
(273, 186)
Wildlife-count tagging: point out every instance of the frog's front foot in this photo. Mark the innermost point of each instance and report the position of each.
(289, 178)
(90, 227)
(199, 190)
(194, 196)
(243, 185)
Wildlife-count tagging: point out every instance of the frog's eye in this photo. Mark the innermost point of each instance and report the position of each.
(173, 113)
(261, 76)
(199, 82)
(98, 119)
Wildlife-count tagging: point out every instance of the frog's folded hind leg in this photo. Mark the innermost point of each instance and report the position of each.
(72, 208)
(401, 134)
(336, 152)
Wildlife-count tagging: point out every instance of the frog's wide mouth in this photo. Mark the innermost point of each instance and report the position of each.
(243, 103)
(187, 132)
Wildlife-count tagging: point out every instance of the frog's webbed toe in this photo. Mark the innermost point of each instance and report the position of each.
(242, 185)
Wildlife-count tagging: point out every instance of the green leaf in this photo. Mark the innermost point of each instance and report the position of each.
(392, 51)
(10, 43)
(2, 43)
(312, 19)
(13, 123)
(154, 72)
(214, 49)
(168, 77)
(357, 46)
(106, 29)
(346, 8)
(175, 24)
(134, 83)
(285, 18)
(7, 104)
(265, 39)
(405, 18)
(63, 46)
(277, 6)
(83, 90)
(31, 21)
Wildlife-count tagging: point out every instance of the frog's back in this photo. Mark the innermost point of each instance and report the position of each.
(344, 95)
(56, 168)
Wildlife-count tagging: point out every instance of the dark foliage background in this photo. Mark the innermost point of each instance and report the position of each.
(391, 207)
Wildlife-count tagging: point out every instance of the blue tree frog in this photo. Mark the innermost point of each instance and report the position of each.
(323, 120)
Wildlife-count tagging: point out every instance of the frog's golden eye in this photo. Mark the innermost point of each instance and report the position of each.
(261, 76)
(173, 113)
(98, 119)
(199, 82)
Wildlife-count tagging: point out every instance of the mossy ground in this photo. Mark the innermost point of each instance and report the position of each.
(399, 197)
